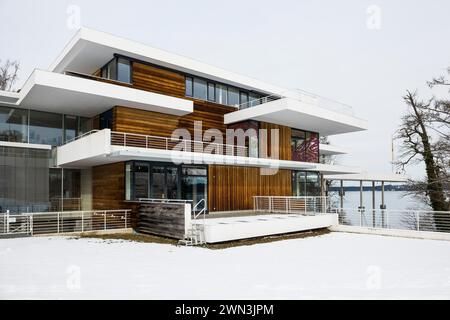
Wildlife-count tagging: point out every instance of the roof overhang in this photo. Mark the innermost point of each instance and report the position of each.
(54, 92)
(90, 49)
(330, 150)
(297, 114)
(9, 97)
(369, 176)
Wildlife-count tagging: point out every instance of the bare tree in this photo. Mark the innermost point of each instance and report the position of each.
(424, 133)
(8, 74)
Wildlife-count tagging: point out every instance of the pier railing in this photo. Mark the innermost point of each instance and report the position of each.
(286, 204)
(418, 220)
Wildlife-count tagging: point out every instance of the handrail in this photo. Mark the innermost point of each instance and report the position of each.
(202, 211)
(302, 96)
(127, 134)
(81, 136)
(155, 200)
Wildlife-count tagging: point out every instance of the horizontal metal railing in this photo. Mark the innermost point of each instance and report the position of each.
(305, 97)
(284, 204)
(167, 143)
(418, 220)
(64, 222)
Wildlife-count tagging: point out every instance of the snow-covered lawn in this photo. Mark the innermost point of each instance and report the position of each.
(335, 265)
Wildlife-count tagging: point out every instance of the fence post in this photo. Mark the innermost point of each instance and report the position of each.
(360, 217)
(82, 221)
(287, 205)
(418, 220)
(31, 224)
(7, 221)
(104, 220)
(126, 217)
(57, 222)
(270, 204)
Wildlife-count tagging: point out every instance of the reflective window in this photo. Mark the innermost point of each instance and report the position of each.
(305, 183)
(255, 99)
(70, 127)
(243, 99)
(221, 94)
(211, 91)
(233, 96)
(45, 128)
(189, 89)
(13, 124)
(200, 89)
(124, 70)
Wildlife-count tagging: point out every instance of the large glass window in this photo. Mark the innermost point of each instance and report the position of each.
(305, 183)
(165, 181)
(119, 69)
(45, 128)
(189, 86)
(70, 127)
(124, 70)
(305, 146)
(200, 89)
(233, 96)
(243, 99)
(13, 124)
(221, 94)
(211, 92)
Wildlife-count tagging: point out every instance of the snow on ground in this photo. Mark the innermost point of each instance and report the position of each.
(336, 265)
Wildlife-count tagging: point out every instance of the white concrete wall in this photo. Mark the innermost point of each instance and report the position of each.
(227, 229)
(93, 145)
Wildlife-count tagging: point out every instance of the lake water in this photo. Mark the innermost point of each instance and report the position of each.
(394, 200)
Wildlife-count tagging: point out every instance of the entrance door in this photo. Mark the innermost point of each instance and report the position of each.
(195, 184)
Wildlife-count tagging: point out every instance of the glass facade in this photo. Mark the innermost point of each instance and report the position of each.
(305, 183)
(31, 126)
(165, 181)
(305, 146)
(13, 124)
(220, 93)
(24, 179)
(119, 68)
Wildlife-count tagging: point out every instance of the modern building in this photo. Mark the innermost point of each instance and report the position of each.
(98, 130)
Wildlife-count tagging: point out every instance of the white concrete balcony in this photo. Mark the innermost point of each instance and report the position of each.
(61, 93)
(106, 146)
(331, 150)
(301, 110)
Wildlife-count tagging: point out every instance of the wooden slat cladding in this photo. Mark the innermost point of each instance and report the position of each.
(285, 152)
(108, 189)
(150, 78)
(159, 124)
(233, 188)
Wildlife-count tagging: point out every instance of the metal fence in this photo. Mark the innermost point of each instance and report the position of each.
(63, 222)
(418, 220)
(281, 204)
(165, 143)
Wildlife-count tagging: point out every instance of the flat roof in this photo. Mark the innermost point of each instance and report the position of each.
(90, 49)
(369, 176)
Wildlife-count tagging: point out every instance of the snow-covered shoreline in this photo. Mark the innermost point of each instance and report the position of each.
(331, 266)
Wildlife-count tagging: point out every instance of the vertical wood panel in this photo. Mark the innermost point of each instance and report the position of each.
(233, 188)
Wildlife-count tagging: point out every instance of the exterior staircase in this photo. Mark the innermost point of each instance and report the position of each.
(196, 234)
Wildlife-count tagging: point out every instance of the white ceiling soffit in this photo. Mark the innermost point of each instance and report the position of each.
(9, 97)
(90, 49)
(296, 114)
(54, 92)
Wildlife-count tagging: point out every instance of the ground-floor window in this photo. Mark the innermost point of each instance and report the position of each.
(305, 183)
(154, 180)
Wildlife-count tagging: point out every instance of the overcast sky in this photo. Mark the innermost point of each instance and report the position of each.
(363, 53)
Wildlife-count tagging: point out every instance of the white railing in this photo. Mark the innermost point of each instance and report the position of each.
(418, 220)
(284, 204)
(305, 97)
(64, 222)
(81, 136)
(165, 143)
